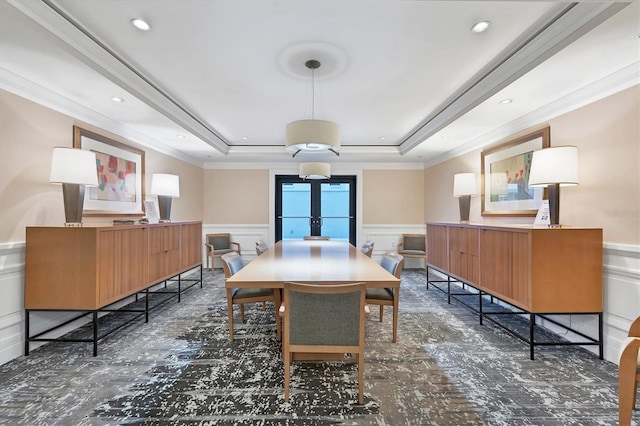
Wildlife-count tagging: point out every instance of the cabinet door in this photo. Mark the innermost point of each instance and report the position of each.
(108, 267)
(157, 250)
(437, 247)
(496, 262)
(122, 264)
(505, 266)
(164, 252)
(463, 253)
(191, 245)
(132, 251)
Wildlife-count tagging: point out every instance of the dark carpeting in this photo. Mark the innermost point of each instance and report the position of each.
(181, 369)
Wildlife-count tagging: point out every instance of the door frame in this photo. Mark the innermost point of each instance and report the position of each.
(291, 171)
(316, 205)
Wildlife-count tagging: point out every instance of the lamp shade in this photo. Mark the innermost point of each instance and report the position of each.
(312, 136)
(315, 170)
(166, 185)
(464, 184)
(73, 165)
(554, 165)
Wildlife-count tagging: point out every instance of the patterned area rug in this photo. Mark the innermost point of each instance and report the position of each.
(181, 369)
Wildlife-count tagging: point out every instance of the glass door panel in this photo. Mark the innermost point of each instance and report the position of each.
(335, 210)
(296, 210)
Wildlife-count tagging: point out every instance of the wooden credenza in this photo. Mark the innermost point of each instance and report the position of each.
(90, 267)
(540, 270)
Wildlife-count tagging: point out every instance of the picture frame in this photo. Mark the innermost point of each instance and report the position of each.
(120, 168)
(505, 174)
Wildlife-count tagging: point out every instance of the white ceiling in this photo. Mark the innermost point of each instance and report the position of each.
(407, 81)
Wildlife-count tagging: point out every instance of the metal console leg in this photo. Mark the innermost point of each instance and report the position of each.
(26, 332)
(95, 333)
(532, 324)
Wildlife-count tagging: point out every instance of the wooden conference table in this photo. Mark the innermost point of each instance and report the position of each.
(312, 262)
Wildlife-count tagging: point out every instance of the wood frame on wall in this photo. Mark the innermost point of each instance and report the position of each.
(519, 199)
(115, 195)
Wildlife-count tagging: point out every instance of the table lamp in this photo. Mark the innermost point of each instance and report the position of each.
(166, 187)
(74, 168)
(464, 186)
(553, 168)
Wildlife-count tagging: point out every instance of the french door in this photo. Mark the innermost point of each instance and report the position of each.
(316, 207)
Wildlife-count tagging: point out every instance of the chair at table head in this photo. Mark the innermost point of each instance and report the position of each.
(261, 247)
(393, 263)
(232, 263)
(413, 246)
(367, 248)
(629, 374)
(315, 237)
(217, 245)
(324, 319)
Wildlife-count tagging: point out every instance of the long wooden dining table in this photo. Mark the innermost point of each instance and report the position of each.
(312, 262)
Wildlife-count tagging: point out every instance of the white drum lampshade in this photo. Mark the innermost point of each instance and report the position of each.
(74, 168)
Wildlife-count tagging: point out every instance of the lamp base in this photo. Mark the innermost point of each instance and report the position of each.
(164, 205)
(465, 206)
(553, 192)
(73, 196)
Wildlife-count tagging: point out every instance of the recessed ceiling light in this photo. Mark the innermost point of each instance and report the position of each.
(141, 24)
(245, 138)
(117, 99)
(444, 137)
(382, 138)
(180, 136)
(506, 101)
(480, 26)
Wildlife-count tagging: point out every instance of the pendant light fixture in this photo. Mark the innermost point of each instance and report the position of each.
(315, 170)
(313, 136)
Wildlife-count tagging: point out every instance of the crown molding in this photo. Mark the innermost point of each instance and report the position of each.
(24, 88)
(565, 23)
(623, 79)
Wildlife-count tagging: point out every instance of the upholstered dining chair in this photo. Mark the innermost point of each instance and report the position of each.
(323, 319)
(367, 248)
(413, 246)
(393, 263)
(261, 247)
(315, 237)
(232, 263)
(217, 245)
(629, 374)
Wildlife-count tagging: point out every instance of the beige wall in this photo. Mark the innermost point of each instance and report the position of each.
(607, 134)
(393, 197)
(28, 133)
(236, 196)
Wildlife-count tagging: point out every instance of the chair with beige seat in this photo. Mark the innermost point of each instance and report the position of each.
(323, 319)
(217, 245)
(413, 246)
(393, 263)
(367, 248)
(232, 263)
(261, 247)
(629, 374)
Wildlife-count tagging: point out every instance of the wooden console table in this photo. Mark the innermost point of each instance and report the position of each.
(539, 270)
(88, 268)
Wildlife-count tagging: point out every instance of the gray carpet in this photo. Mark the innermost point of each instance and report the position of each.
(181, 369)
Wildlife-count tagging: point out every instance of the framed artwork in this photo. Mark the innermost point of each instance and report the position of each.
(505, 177)
(120, 169)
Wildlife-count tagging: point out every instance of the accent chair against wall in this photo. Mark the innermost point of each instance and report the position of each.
(218, 245)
